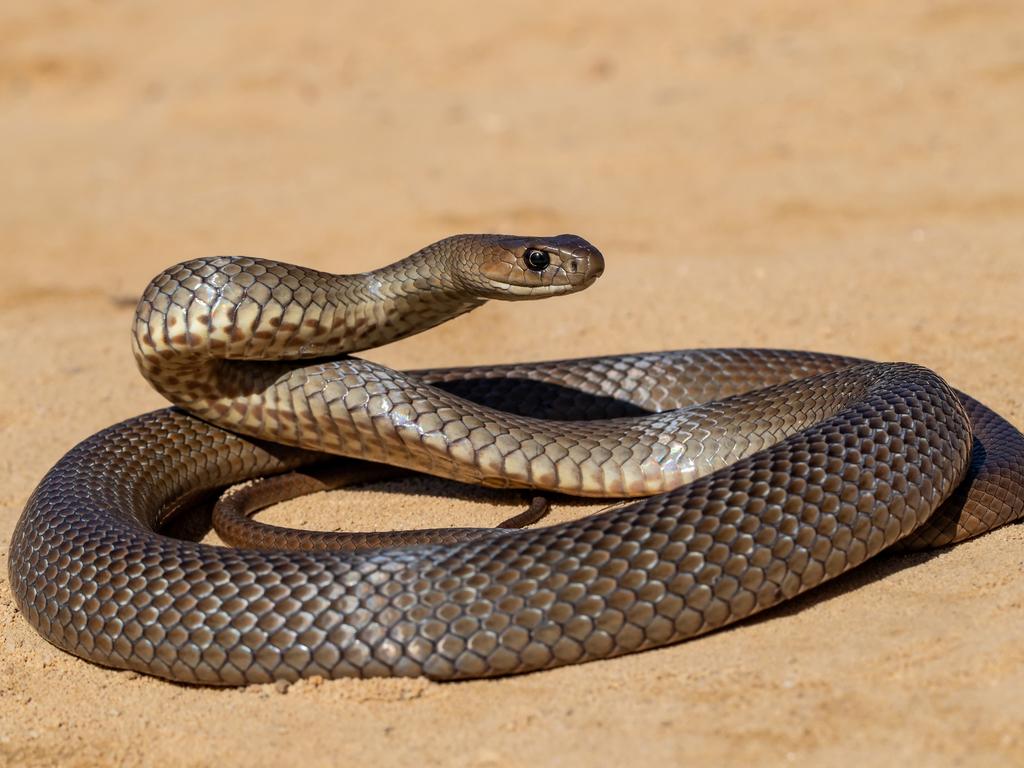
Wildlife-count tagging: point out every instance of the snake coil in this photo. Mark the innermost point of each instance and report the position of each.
(758, 475)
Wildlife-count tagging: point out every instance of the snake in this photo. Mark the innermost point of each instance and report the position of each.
(744, 477)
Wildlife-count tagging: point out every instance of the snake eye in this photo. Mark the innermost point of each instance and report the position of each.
(537, 259)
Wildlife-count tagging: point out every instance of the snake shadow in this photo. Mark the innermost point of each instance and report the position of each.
(540, 399)
(879, 568)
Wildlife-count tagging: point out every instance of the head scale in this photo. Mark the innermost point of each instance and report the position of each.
(511, 267)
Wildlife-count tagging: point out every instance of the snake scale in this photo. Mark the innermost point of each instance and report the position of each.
(755, 475)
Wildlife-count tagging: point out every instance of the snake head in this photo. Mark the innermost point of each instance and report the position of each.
(514, 268)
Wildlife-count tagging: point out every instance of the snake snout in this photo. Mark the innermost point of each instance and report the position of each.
(582, 263)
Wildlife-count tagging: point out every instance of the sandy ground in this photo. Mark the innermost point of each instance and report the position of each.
(842, 177)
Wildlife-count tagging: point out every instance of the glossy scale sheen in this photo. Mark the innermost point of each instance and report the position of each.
(772, 471)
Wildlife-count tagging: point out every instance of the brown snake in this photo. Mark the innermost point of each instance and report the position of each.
(771, 472)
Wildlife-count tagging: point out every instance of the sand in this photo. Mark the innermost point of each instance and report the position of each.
(839, 177)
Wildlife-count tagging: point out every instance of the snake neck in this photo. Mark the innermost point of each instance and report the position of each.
(402, 299)
(211, 330)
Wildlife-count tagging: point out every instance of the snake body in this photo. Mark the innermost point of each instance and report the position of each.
(771, 472)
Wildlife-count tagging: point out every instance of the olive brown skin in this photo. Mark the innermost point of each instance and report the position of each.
(772, 471)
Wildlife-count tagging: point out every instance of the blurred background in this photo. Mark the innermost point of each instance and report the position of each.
(807, 156)
(847, 177)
